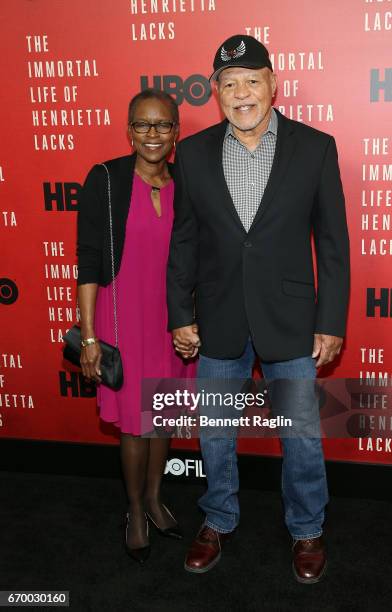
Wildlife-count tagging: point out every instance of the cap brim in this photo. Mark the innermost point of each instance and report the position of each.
(256, 65)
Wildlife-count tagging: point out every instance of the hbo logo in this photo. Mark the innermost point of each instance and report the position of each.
(8, 291)
(196, 89)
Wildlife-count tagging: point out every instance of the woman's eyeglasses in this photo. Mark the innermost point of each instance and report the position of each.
(143, 127)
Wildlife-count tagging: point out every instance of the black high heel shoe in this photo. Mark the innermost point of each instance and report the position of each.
(138, 554)
(168, 532)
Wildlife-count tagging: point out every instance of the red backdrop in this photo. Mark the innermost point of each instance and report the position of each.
(68, 70)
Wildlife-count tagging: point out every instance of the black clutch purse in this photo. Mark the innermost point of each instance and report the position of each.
(111, 364)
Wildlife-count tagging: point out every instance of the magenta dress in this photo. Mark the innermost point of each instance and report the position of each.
(145, 344)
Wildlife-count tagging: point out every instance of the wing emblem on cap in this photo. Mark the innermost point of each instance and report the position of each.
(233, 53)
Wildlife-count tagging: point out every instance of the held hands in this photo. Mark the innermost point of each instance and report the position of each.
(186, 340)
(326, 348)
(90, 361)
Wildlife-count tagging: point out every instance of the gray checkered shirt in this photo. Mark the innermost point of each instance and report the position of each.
(247, 172)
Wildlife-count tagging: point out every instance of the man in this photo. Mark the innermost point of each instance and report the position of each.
(250, 191)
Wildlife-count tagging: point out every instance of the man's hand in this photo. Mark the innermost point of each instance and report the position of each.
(326, 348)
(186, 340)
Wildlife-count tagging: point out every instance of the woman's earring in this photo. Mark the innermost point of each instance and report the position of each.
(130, 134)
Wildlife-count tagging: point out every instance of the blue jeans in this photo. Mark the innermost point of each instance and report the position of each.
(304, 484)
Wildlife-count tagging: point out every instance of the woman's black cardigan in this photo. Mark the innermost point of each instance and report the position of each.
(93, 231)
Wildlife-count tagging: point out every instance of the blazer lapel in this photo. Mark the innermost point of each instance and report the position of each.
(215, 153)
(285, 145)
(121, 178)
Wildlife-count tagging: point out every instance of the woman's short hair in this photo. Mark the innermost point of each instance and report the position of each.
(157, 94)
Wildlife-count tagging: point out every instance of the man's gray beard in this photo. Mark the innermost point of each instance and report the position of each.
(249, 129)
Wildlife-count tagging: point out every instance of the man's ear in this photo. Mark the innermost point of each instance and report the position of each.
(274, 83)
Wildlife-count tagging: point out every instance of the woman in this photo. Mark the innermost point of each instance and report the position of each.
(142, 214)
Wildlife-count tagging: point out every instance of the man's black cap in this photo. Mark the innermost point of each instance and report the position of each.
(240, 50)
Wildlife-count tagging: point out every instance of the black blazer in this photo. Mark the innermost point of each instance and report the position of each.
(93, 231)
(235, 283)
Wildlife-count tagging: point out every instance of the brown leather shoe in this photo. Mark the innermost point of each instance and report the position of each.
(205, 550)
(309, 560)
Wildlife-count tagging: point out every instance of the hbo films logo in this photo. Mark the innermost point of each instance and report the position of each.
(195, 89)
(186, 467)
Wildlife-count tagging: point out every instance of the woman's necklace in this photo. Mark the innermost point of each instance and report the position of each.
(155, 191)
(147, 180)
